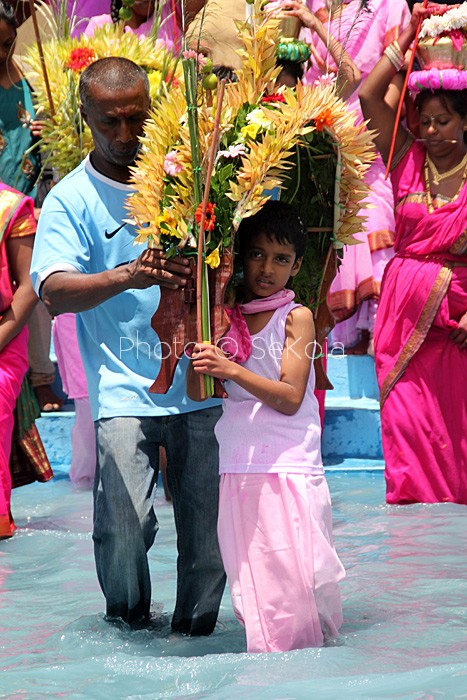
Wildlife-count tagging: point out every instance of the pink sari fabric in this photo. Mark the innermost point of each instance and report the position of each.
(358, 280)
(13, 367)
(14, 357)
(69, 360)
(421, 371)
(75, 385)
(168, 31)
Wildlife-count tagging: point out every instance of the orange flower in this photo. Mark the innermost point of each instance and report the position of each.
(80, 59)
(209, 219)
(324, 119)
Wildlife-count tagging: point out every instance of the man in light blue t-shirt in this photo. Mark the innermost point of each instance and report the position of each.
(84, 261)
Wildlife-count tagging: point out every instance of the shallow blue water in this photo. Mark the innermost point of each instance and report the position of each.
(405, 605)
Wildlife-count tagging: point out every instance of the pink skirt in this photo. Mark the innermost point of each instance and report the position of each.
(275, 537)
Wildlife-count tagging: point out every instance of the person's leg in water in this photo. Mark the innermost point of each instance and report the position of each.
(193, 478)
(125, 522)
(42, 371)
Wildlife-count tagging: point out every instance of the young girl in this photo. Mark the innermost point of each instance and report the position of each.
(274, 528)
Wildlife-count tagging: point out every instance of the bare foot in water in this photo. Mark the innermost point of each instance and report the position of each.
(47, 398)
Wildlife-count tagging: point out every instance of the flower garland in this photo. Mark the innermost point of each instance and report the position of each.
(448, 21)
(437, 79)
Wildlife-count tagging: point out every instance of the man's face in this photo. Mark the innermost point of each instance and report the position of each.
(116, 120)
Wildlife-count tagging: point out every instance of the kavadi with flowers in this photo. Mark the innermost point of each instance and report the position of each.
(66, 139)
(210, 158)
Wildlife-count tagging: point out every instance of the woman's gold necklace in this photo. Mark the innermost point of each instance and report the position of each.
(429, 199)
(439, 177)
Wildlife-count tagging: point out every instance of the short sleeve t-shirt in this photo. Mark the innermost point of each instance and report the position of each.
(85, 227)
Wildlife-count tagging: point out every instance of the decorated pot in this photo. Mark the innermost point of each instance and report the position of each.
(440, 53)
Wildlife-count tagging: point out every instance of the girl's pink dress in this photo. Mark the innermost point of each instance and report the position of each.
(356, 288)
(421, 371)
(275, 521)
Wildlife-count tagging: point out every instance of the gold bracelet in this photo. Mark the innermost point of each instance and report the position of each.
(394, 54)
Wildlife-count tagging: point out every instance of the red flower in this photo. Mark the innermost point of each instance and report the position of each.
(324, 119)
(273, 98)
(210, 217)
(80, 59)
(171, 80)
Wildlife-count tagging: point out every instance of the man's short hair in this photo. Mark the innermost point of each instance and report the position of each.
(111, 73)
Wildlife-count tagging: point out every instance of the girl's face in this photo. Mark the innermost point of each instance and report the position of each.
(267, 266)
(441, 126)
(7, 41)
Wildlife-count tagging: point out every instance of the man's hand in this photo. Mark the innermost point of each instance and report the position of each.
(152, 267)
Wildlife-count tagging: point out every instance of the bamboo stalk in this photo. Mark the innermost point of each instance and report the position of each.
(202, 291)
(41, 57)
(402, 96)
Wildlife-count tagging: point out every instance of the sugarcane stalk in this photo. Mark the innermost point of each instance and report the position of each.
(42, 58)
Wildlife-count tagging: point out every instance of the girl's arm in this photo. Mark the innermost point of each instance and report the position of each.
(373, 93)
(348, 76)
(284, 395)
(19, 251)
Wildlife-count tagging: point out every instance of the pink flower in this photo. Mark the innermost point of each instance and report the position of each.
(232, 151)
(172, 165)
(198, 57)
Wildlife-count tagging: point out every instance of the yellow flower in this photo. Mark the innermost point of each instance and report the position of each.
(155, 79)
(167, 223)
(213, 259)
(250, 131)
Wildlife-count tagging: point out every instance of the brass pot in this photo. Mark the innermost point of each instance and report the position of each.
(441, 54)
(290, 27)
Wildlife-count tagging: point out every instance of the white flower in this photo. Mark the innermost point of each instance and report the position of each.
(258, 117)
(452, 19)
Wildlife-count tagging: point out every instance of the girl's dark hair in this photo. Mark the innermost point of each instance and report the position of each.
(452, 100)
(279, 221)
(115, 6)
(7, 14)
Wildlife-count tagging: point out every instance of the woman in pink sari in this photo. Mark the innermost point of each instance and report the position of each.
(364, 32)
(142, 19)
(17, 300)
(421, 328)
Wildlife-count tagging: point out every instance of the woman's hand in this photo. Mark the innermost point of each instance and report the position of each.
(459, 335)
(209, 359)
(37, 127)
(292, 8)
(419, 13)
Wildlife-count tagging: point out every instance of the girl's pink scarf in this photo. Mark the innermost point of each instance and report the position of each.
(237, 343)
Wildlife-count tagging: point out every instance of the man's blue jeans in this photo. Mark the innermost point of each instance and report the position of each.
(125, 523)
